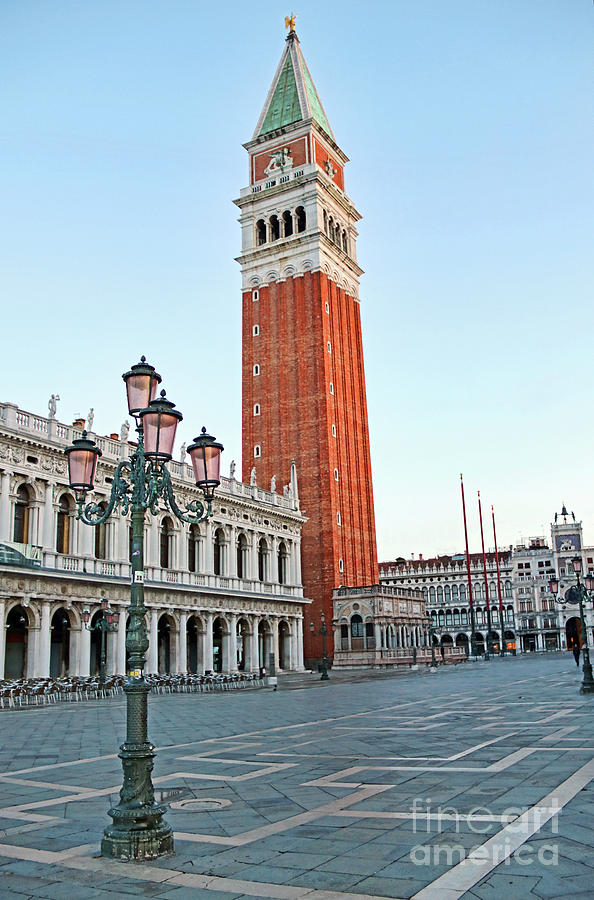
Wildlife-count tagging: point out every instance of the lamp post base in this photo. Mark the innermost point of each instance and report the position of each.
(587, 685)
(145, 838)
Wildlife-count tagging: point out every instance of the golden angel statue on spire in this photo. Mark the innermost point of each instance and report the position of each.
(290, 23)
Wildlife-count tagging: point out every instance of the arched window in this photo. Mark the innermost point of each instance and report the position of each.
(165, 536)
(431, 595)
(101, 537)
(335, 474)
(257, 451)
(334, 431)
(462, 593)
(242, 549)
(21, 516)
(441, 618)
(331, 228)
(345, 242)
(356, 626)
(447, 593)
(440, 594)
(63, 526)
(263, 560)
(256, 330)
(456, 617)
(256, 409)
(464, 616)
(508, 589)
(493, 591)
(283, 557)
(193, 548)
(260, 232)
(455, 593)
(287, 223)
(337, 234)
(331, 388)
(300, 217)
(448, 618)
(255, 295)
(219, 541)
(274, 228)
(425, 594)
(325, 221)
(256, 369)
(477, 590)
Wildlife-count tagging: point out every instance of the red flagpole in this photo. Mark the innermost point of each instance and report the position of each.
(470, 603)
(485, 573)
(502, 650)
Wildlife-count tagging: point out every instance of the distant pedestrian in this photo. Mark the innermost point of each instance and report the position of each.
(576, 654)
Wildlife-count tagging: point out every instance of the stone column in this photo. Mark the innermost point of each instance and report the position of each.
(121, 645)
(153, 650)
(152, 542)
(5, 532)
(208, 656)
(274, 648)
(84, 652)
(2, 636)
(122, 544)
(43, 651)
(254, 644)
(231, 662)
(48, 518)
(209, 550)
(232, 558)
(182, 648)
(182, 549)
(378, 636)
(294, 643)
(300, 665)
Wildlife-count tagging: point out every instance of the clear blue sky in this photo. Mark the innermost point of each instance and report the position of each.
(469, 127)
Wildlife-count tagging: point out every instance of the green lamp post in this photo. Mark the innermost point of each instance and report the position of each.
(106, 623)
(138, 830)
(323, 632)
(579, 593)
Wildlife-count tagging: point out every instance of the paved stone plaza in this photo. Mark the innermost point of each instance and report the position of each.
(366, 786)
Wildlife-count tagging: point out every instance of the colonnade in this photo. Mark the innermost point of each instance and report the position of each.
(39, 639)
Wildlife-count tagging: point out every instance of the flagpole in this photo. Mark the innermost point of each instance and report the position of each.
(470, 601)
(489, 627)
(502, 647)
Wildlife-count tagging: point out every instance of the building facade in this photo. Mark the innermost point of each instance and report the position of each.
(303, 375)
(533, 621)
(220, 596)
(380, 625)
(443, 582)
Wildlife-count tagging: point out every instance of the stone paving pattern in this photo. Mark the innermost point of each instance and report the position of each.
(370, 785)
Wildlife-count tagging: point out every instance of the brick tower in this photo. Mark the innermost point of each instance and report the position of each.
(303, 377)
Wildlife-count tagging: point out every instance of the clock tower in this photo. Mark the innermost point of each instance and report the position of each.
(303, 377)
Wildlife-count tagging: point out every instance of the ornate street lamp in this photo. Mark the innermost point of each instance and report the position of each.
(106, 623)
(323, 631)
(138, 830)
(578, 594)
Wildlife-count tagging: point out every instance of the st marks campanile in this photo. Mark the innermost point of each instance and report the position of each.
(303, 377)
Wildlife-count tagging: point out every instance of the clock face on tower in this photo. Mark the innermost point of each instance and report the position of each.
(568, 542)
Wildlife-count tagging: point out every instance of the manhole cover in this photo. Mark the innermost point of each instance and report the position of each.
(200, 804)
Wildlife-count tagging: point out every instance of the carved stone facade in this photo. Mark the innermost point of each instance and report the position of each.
(376, 625)
(221, 595)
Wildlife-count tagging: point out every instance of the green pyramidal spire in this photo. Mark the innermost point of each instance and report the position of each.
(292, 96)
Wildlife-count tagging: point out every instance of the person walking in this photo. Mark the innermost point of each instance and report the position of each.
(576, 654)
